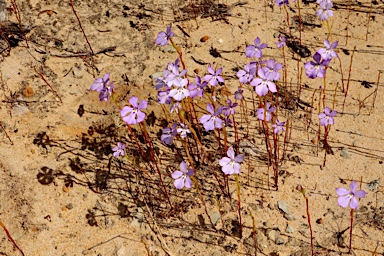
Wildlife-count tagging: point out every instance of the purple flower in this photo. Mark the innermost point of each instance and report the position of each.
(212, 121)
(135, 115)
(180, 92)
(182, 177)
(197, 89)
(106, 92)
(103, 86)
(119, 150)
(282, 42)
(247, 74)
(175, 107)
(279, 126)
(264, 83)
(174, 75)
(325, 11)
(100, 83)
(281, 2)
(316, 68)
(268, 116)
(163, 37)
(328, 53)
(239, 94)
(326, 117)
(349, 197)
(273, 67)
(183, 130)
(252, 51)
(168, 134)
(230, 109)
(163, 97)
(214, 78)
(230, 164)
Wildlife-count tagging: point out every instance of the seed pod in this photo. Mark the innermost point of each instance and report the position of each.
(204, 39)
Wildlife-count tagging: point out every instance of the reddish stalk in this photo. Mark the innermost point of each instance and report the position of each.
(18, 17)
(349, 77)
(81, 27)
(6, 134)
(46, 82)
(10, 238)
(302, 191)
(350, 231)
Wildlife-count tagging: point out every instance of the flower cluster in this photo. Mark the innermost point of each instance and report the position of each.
(326, 117)
(169, 133)
(104, 86)
(321, 58)
(182, 176)
(325, 11)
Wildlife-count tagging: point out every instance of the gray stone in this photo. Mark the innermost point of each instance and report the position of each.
(272, 234)
(215, 217)
(77, 72)
(283, 206)
(156, 75)
(289, 229)
(344, 153)
(168, 48)
(279, 240)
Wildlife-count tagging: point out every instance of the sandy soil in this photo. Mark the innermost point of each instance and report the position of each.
(62, 193)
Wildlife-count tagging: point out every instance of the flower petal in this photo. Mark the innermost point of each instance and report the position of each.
(354, 203)
(342, 191)
(179, 183)
(353, 186)
(360, 194)
(343, 201)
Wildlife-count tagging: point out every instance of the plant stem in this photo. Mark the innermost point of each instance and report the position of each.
(350, 231)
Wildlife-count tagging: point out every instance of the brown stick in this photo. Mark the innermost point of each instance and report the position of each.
(6, 134)
(10, 238)
(46, 82)
(81, 27)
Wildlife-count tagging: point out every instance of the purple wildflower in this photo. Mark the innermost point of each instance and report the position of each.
(214, 78)
(247, 74)
(103, 86)
(212, 121)
(239, 94)
(180, 92)
(316, 68)
(106, 92)
(175, 107)
(328, 53)
(279, 126)
(264, 83)
(349, 197)
(163, 37)
(182, 177)
(325, 11)
(183, 130)
(230, 109)
(163, 97)
(174, 75)
(119, 149)
(268, 114)
(197, 89)
(252, 51)
(273, 67)
(168, 134)
(326, 117)
(231, 164)
(100, 83)
(135, 115)
(282, 42)
(281, 2)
